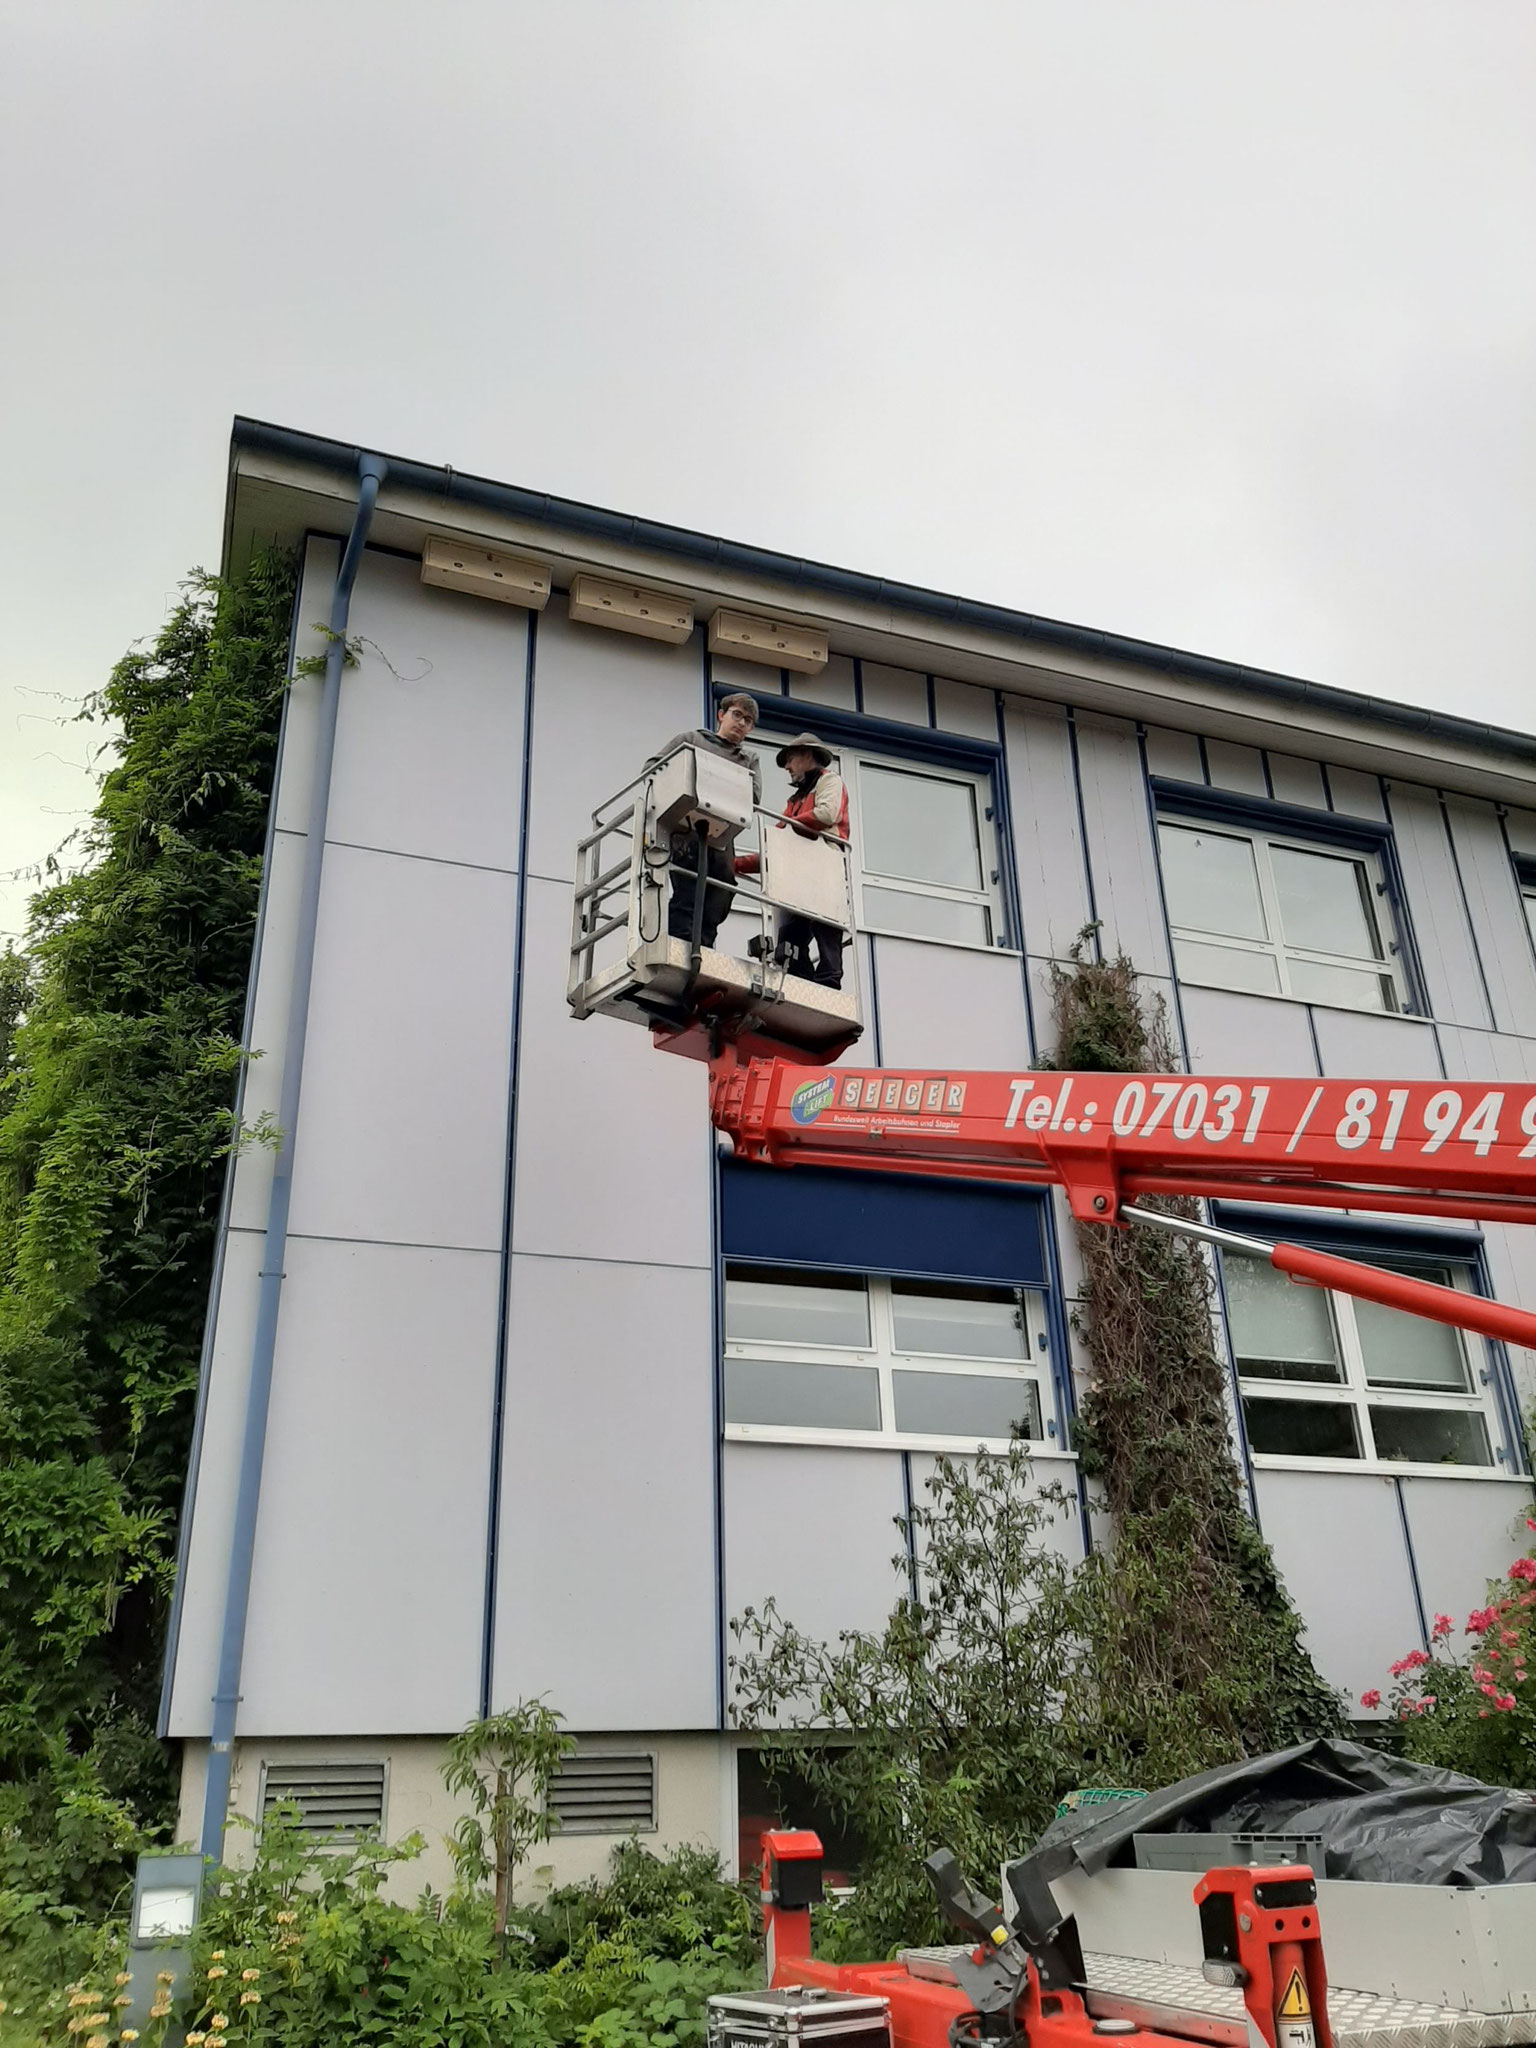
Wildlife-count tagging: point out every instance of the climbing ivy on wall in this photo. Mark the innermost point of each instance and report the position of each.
(119, 1050)
(1196, 1630)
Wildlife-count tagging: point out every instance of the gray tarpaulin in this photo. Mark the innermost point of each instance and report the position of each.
(1381, 1818)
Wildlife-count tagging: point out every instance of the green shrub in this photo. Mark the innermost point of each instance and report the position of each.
(302, 1948)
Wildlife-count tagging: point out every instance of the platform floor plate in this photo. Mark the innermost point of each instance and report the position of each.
(1178, 2000)
(1157, 1993)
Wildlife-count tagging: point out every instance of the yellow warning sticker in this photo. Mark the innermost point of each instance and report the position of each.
(1295, 2004)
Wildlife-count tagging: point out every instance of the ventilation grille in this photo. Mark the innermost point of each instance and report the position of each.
(605, 1795)
(333, 1799)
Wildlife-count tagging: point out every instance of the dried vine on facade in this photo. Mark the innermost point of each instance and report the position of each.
(1202, 1635)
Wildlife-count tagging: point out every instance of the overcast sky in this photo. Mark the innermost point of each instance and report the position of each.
(1206, 321)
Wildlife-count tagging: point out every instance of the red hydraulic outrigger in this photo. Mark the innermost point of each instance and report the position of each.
(1416, 1147)
(1023, 1983)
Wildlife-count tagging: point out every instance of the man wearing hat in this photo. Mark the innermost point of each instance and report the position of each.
(817, 808)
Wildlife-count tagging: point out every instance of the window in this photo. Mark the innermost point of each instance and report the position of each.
(1326, 1376)
(923, 845)
(816, 1356)
(1274, 916)
(332, 1799)
(1528, 898)
(605, 1795)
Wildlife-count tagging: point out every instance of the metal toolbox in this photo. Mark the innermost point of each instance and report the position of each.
(798, 2014)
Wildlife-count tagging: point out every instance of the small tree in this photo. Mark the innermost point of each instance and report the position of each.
(951, 1718)
(504, 1765)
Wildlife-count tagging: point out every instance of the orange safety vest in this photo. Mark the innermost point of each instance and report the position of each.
(801, 810)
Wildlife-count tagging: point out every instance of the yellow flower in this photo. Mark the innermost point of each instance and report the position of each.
(129, 2034)
(83, 1998)
(97, 2019)
(218, 1955)
(122, 1998)
(160, 2010)
(250, 1998)
(250, 1976)
(286, 1919)
(96, 2041)
(122, 1977)
(195, 2040)
(165, 1976)
(219, 2019)
(218, 1970)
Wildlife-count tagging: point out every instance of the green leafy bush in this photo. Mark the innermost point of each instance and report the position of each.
(303, 1947)
(119, 1050)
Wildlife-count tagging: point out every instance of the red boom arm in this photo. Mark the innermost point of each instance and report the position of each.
(1420, 1147)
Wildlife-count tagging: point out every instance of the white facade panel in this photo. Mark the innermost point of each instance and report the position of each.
(828, 1569)
(965, 708)
(1487, 1056)
(1510, 1250)
(1297, 782)
(1352, 1042)
(603, 702)
(606, 1557)
(728, 672)
(1174, 755)
(1499, 924)
(1338, 1540)
(263, 1082)
(1435, 908)
(1240, 769)
(205, 1566)
(1047, 830)
(402, 1131)
(949, 1006)
(1238, 1034)
(429, 739)
(613, 1138)
(301, 714)
(1356, 794)
(1464, 1533)
(896, 693)
(1521, 827)
(832, 685)
(1122, 851)
(367, 1601)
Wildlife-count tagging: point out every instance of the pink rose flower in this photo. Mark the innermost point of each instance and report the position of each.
(1371, 1698)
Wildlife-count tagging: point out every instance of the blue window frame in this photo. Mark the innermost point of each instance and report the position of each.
(880, 1310)
(1329, 1381)
(1276, 899)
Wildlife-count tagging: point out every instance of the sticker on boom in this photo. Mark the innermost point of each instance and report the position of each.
(811, 1098)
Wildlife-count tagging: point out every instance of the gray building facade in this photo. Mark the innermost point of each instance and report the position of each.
(518, 1440)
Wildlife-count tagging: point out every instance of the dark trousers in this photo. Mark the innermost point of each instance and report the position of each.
(796, 935)
(717, 901)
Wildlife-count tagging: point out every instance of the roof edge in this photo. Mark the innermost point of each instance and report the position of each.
(702, 550)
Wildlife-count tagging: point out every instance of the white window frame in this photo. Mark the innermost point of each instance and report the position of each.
(1388, 966)
(882, 1354)
(850, 761)
(1355, 1391)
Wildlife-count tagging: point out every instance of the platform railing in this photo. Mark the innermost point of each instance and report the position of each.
(604, 873)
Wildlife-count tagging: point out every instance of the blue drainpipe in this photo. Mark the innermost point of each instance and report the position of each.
(372, 470)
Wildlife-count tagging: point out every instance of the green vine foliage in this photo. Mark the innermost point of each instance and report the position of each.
(119, 1051)
(1198, 1646)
